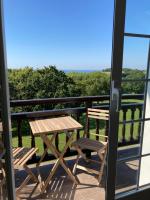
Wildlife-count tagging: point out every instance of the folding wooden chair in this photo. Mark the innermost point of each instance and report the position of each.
(2, 153)
(21, 156)
(98, 146)
(2, 172)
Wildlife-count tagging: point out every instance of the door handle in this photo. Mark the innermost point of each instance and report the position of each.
(116, 97)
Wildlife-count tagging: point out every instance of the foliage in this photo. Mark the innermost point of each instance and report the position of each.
(128, 87)
(47, 82)
(136, 87)
(91, 84)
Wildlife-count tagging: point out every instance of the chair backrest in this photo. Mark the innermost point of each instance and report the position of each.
(98, 113)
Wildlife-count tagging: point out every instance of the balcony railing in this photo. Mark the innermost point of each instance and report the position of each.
(76, 106)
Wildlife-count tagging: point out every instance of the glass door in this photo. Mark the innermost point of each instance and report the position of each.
(129, 135)
(116, 72)
(7, 184)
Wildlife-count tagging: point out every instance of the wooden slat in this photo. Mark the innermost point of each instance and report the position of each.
(90, 144)
(98, 110)
(99, 135)
(22, 155)
(97, 117)
(17, 151)
(52, 125)
(28, 156)
(98, 114)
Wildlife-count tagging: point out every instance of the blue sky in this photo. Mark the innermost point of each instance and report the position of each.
(71, 34)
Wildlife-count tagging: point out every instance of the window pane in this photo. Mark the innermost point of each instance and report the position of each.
(133, 87)
(126, 178)
(147, 113)
(138, 16)
(144, 171)
(146, 138)
(135, 56)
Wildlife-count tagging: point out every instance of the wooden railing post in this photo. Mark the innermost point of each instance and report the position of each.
(106, 129)
(139, 128)
(88, 104)
(97, 129)
(78, 131)
(19, 133)
(132, 124)
(57, 141)
(87, 127)
(124, 125)
(33, 144)
(32, 139)
(68, 150)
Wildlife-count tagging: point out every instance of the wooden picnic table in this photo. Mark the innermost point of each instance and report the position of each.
(53, 126)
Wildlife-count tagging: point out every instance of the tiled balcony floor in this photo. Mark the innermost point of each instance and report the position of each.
(61, 187)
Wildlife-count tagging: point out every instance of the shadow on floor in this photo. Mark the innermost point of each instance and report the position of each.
(62, 188)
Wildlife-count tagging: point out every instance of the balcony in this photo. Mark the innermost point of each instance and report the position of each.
(61, 186)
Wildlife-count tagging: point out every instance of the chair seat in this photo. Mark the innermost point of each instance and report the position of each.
(86, 143)
(21, 155)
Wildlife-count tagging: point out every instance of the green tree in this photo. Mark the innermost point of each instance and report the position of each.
(93, 83)
(47, 82)
(133, 87)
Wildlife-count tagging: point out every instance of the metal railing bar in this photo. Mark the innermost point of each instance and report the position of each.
(134, 121)
(17, 103)
(137, 35)
(130, 158)
(135, 80)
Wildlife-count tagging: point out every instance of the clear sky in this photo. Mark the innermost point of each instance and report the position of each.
(71, 34)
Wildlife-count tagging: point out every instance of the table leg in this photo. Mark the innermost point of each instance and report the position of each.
(38, 168)
(41, 159)
(62, 161)
(59, 160)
